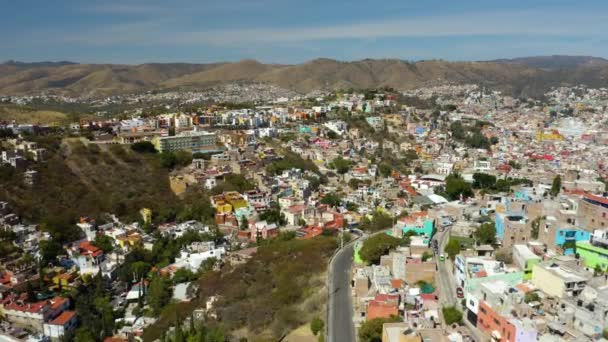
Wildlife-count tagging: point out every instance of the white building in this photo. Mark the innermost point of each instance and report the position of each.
(193, 261)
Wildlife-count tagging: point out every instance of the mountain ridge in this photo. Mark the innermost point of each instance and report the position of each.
(526, 76)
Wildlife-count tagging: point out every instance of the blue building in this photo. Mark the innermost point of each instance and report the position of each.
(572, 235)
(500, 221)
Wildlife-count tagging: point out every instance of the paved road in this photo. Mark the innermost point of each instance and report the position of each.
(448, 292)
(340, 309)
(447, 285)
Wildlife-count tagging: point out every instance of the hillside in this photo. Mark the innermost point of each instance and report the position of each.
(556, 62)
(88, 180)
(23, 114)
(528, 76)
(277, 290)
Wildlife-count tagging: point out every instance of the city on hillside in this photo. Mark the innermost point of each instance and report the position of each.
(251, 213)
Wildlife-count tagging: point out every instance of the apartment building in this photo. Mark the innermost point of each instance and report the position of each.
(593, 212)
(559, 280)
(193, 141)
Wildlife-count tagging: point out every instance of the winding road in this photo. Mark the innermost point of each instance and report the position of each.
(340, 325)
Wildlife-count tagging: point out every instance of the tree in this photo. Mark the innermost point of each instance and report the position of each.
(159, 294)
(83, 335)
(556, 187)
(598, 270)
(486, 233)
(31, 294)
(143, 147)
(106, 312)
(350, 206)
(49, 250)
(514, 164)
(455, 186)
(376, 246)
(341, 165)
(183, 275)
(452, 248)
(535, 227)
(426, 256)
(406, 240)
(183, 158)
(273, 215)
(385, 170)
(244, 224)
(451, 315)
(483, 181)
(167, 159)
(316, 325)
(371, 331)
(531, 297)
(104, 242)
(331, 199)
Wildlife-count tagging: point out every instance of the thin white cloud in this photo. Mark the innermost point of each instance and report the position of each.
(529, 23)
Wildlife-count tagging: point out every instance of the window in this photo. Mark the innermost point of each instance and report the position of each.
(482, 310)
(496, 321)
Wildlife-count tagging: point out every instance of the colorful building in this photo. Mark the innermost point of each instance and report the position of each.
(525, 259)
(570, 236)
(592, 255)
(502, 328)
(417, 223)
(193, 141)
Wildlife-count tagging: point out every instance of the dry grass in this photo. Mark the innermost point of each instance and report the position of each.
(26, 116)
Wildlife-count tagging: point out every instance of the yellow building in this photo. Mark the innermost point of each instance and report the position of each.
(146, 215)
(64, 280)
(558, 281)
(553, 135)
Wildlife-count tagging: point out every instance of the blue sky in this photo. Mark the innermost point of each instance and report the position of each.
(275, 31)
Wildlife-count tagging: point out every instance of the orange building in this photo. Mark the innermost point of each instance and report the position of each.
(383, 306)
(494, 324)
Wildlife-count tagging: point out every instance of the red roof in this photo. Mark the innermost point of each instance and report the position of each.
(64, 318)
(297, 208)
(396, 283)
(378, 309)
(387, 297)
(311, 231)
(58, 302)
(428, 297)
(88, 249)
(600, 199)
(26, 307)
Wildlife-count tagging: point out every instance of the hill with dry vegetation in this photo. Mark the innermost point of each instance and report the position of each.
(521, 77)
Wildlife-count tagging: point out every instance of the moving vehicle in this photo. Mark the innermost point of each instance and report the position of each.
(459, 292)
(442, 257)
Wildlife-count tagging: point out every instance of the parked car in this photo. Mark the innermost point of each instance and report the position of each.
(459, 292)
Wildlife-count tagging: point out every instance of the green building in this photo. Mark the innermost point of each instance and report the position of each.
(426, 229)
(525, 259)
(592, 255)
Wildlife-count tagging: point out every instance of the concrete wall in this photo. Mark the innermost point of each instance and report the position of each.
(422, 271)
(548, 282)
